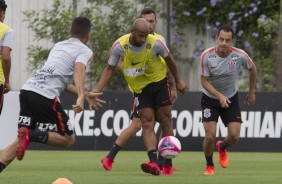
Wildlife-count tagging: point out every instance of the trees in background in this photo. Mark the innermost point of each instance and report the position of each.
(255, 23)
(110, 20)
(278, 71)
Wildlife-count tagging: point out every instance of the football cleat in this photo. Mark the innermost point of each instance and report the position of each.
(222, 155)
(151, 168)
(107, 163)
(173, 168)
(209, 170)
(167, 170)
(23, 142)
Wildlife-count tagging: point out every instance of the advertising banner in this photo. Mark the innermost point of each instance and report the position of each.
(98, 129)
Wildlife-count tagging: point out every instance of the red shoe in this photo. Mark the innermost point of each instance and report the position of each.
(209, 170)
(222, 155)
(173, 168)
(107, 163)
(167, 170)
(151, 167)
(23, 142)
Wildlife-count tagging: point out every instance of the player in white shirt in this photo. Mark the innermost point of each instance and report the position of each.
(42, 118)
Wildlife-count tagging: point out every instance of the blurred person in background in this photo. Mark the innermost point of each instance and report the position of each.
(7, 37)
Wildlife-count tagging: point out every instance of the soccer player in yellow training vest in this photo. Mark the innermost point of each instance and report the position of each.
(145, 73)
(135, 125)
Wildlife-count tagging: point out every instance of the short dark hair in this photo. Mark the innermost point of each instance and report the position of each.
(147, 10)
(3, 5)
(80, 27)
(226, 28)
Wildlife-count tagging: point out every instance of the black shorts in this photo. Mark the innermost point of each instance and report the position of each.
(155, 95)
(40, 113)
(1, 97)
(211, 110)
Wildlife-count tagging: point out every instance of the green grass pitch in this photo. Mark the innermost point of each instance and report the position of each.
(84, 167)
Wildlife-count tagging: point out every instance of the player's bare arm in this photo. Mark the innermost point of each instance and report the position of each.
(180, 85)
(79, 79)
(250, 98)
(6, 63)
(105, 78)
(120, 63)
(173, 90)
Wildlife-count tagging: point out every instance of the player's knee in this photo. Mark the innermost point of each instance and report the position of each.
(209, 138)
(164, 118)
(147, 124)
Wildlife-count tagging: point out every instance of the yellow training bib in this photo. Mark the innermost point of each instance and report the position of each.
(141, 69)
(3, 29)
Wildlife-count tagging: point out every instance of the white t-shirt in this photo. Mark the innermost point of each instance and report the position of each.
(7, 39)
(57, 72)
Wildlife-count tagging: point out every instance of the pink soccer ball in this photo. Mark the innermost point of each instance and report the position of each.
(169, 147)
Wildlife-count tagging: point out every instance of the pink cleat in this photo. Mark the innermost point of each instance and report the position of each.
(107, 163)
(167, 170)
(209, 170)
(23, 138)
(151, 168)
(222, 155)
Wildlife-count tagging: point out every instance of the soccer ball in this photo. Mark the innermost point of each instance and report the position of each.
(169, 147)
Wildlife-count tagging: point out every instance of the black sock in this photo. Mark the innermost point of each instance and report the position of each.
(160, 160)
(209, 161)
(168, 162)
(2, 166)
(153, 156)
(38, 136)
(223, 145)
(115, 149)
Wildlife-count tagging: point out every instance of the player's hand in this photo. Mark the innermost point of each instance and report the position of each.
(224, 101)
(181, 87)
(250, 99)
(173, 95)
(93, 100)
(79, 106)
(7, 87)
